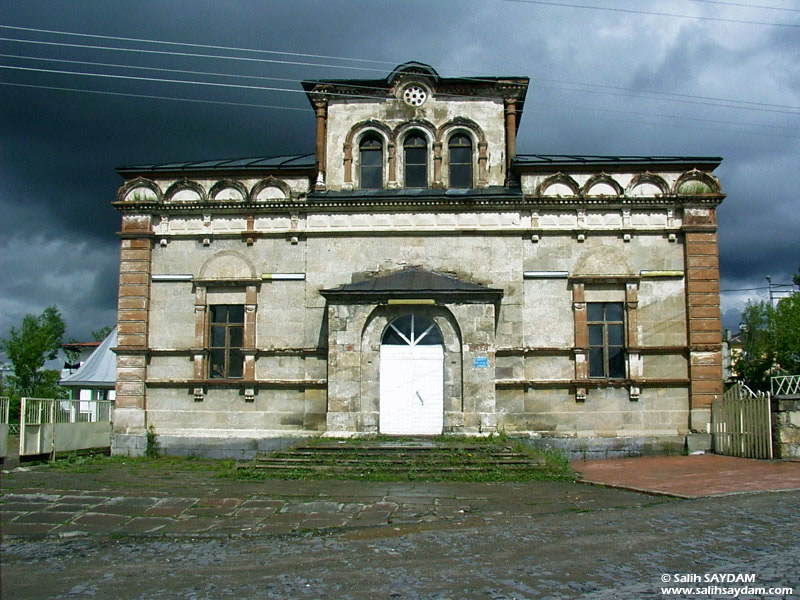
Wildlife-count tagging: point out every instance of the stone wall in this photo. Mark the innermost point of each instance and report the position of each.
(786, 427)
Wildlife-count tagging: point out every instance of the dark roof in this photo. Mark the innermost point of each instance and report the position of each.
(282, 162)
(413, 282)
(593, 160)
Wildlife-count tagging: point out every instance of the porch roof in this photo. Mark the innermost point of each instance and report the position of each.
(413, 282)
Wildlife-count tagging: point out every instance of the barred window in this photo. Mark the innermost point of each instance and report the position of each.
(226, 334)
(606, 340)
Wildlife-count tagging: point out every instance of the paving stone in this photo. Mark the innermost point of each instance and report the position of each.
(312, 507)
(126, 505)
(243, 526)
(47, 517)
(98, 522)
(144, 525)
(15, 528)
(319, 521)
(193, 525)
(10, 515)
(23, 506)
(255, 511)
(262, 502)
(219, 502)
(170, 507)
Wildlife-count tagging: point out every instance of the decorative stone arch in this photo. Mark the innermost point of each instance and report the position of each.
(696, 183)
(224, 189)
(428, 131)
(602, 181)
(227, 265)
(645, 181)
(480, 158)
(372, 333)
(148, 189)
(265, 184)
(186, 187)
(353, 139)
(558, 182)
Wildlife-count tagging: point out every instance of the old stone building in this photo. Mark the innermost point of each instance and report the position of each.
(415, 275)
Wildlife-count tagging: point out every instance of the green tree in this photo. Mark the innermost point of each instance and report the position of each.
(787, 334)
(754, 363)
(38, 340)
(102, 333)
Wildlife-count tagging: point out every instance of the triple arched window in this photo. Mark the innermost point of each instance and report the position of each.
(415, 158)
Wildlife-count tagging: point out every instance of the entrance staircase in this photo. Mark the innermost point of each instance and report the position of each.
(414, 458)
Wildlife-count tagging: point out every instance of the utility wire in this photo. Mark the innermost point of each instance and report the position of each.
(105, 93)
(739, 4)
(179, 81)
(193, 45)
(327, 57)
(655, 14)
(261, 77)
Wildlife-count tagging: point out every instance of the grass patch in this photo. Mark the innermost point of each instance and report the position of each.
(76, 463)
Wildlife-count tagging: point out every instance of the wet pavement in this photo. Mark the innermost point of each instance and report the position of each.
(189, 534)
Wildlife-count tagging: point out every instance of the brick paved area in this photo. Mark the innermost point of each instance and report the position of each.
(692, 476)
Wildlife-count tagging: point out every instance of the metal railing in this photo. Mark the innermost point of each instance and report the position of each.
(4, 428)
(49, 425)
(785, 385)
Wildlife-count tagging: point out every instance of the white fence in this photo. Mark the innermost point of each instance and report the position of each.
(4, 405)
(742, 424)
(785, 385)
(47, 426)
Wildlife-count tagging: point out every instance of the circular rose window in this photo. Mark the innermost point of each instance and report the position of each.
(415, 95)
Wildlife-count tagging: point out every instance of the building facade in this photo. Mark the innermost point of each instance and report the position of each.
(415, 275)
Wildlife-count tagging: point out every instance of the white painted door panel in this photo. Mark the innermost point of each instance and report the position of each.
(411, 388)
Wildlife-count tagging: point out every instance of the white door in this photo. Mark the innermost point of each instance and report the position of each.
(412, 378)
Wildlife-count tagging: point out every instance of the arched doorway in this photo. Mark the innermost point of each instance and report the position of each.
(412, 377)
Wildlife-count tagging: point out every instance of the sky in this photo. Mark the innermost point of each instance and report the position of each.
(608, 77)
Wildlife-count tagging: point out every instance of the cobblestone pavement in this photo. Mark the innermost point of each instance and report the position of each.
(207, 539)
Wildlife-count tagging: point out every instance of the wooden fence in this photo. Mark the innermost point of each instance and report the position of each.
(742, 424)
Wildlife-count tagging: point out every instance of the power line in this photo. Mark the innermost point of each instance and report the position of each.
(655, 14)
(179, 81)
(261, 77)
(154, 97)
(739, 4)
(190, 54)
(327, 57)
(192, 45)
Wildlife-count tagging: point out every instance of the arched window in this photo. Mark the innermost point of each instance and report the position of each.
(416, 161)
(371, 163)
(460, 155)
(412, 330)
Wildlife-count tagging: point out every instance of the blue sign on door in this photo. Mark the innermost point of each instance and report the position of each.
(480, 362)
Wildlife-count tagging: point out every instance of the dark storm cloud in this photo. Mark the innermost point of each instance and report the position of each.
(59, 149)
